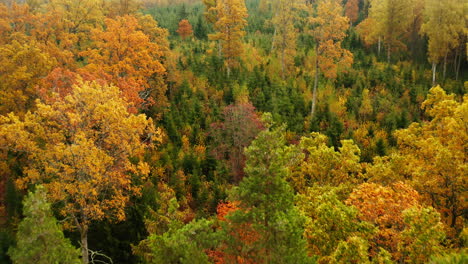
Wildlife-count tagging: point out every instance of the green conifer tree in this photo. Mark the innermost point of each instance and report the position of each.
(40, 239)
(267, 203)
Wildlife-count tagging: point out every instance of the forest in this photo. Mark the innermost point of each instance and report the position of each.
(233, 131)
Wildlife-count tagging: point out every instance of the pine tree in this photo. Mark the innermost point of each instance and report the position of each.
(266, 204)
(200, 29)
(40, 239)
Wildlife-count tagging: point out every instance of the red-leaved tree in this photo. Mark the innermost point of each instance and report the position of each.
(239, 127)
(185, 29)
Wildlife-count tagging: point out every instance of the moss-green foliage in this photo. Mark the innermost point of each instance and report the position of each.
(332, 228)
(267, 203)
(353, 250)
(424, 235)
(185, 245)
(452, 258)
(40, 239)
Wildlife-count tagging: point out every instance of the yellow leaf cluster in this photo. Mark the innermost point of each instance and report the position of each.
(322, 165)
(82, 149)
(231, 21)
(436, 154)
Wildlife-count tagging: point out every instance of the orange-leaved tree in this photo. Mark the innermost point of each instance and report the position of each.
(128, 56)
(352, 10)
(243, 232)
(86, 149)
(185, 29)
(383, 207)
(230, 25)
(329, 29)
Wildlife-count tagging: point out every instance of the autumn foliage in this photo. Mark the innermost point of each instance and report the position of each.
(243, 232)
(329, 29)
(240, 126)
(233, 131)
(383, 207)
(352, 10)
(185, 29)
(230, 25)
(435, 152)
(79, 147)
(124, 55)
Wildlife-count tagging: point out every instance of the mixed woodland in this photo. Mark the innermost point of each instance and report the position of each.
(233, 131)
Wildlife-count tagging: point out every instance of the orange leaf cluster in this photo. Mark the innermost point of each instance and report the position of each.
(329, 32)
(185, 29)
(352, 10)
(126, 55)
(243, 233)
(52, 40)
(383, 206)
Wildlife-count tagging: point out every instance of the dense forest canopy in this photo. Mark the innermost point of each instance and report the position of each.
(233, 131)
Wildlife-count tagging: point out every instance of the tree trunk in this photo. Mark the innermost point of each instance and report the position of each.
(273, 42)
(84, 244)
(379, 47)
(445, 66)
(283, 67)
(455, 61)
(457, 69)
(314, 92)
(388, 54)
(219, 49)
(453, 221)
(434, 68)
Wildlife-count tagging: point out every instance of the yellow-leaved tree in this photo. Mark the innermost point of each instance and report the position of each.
(323, 166)
(125, 55)
(210, 11)
(285, 35)
(70, 22)
(23, 65)
(435, 152)
(329, 29)
(391, 21)
(230, 25)
(86, 149)
(443, 24)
